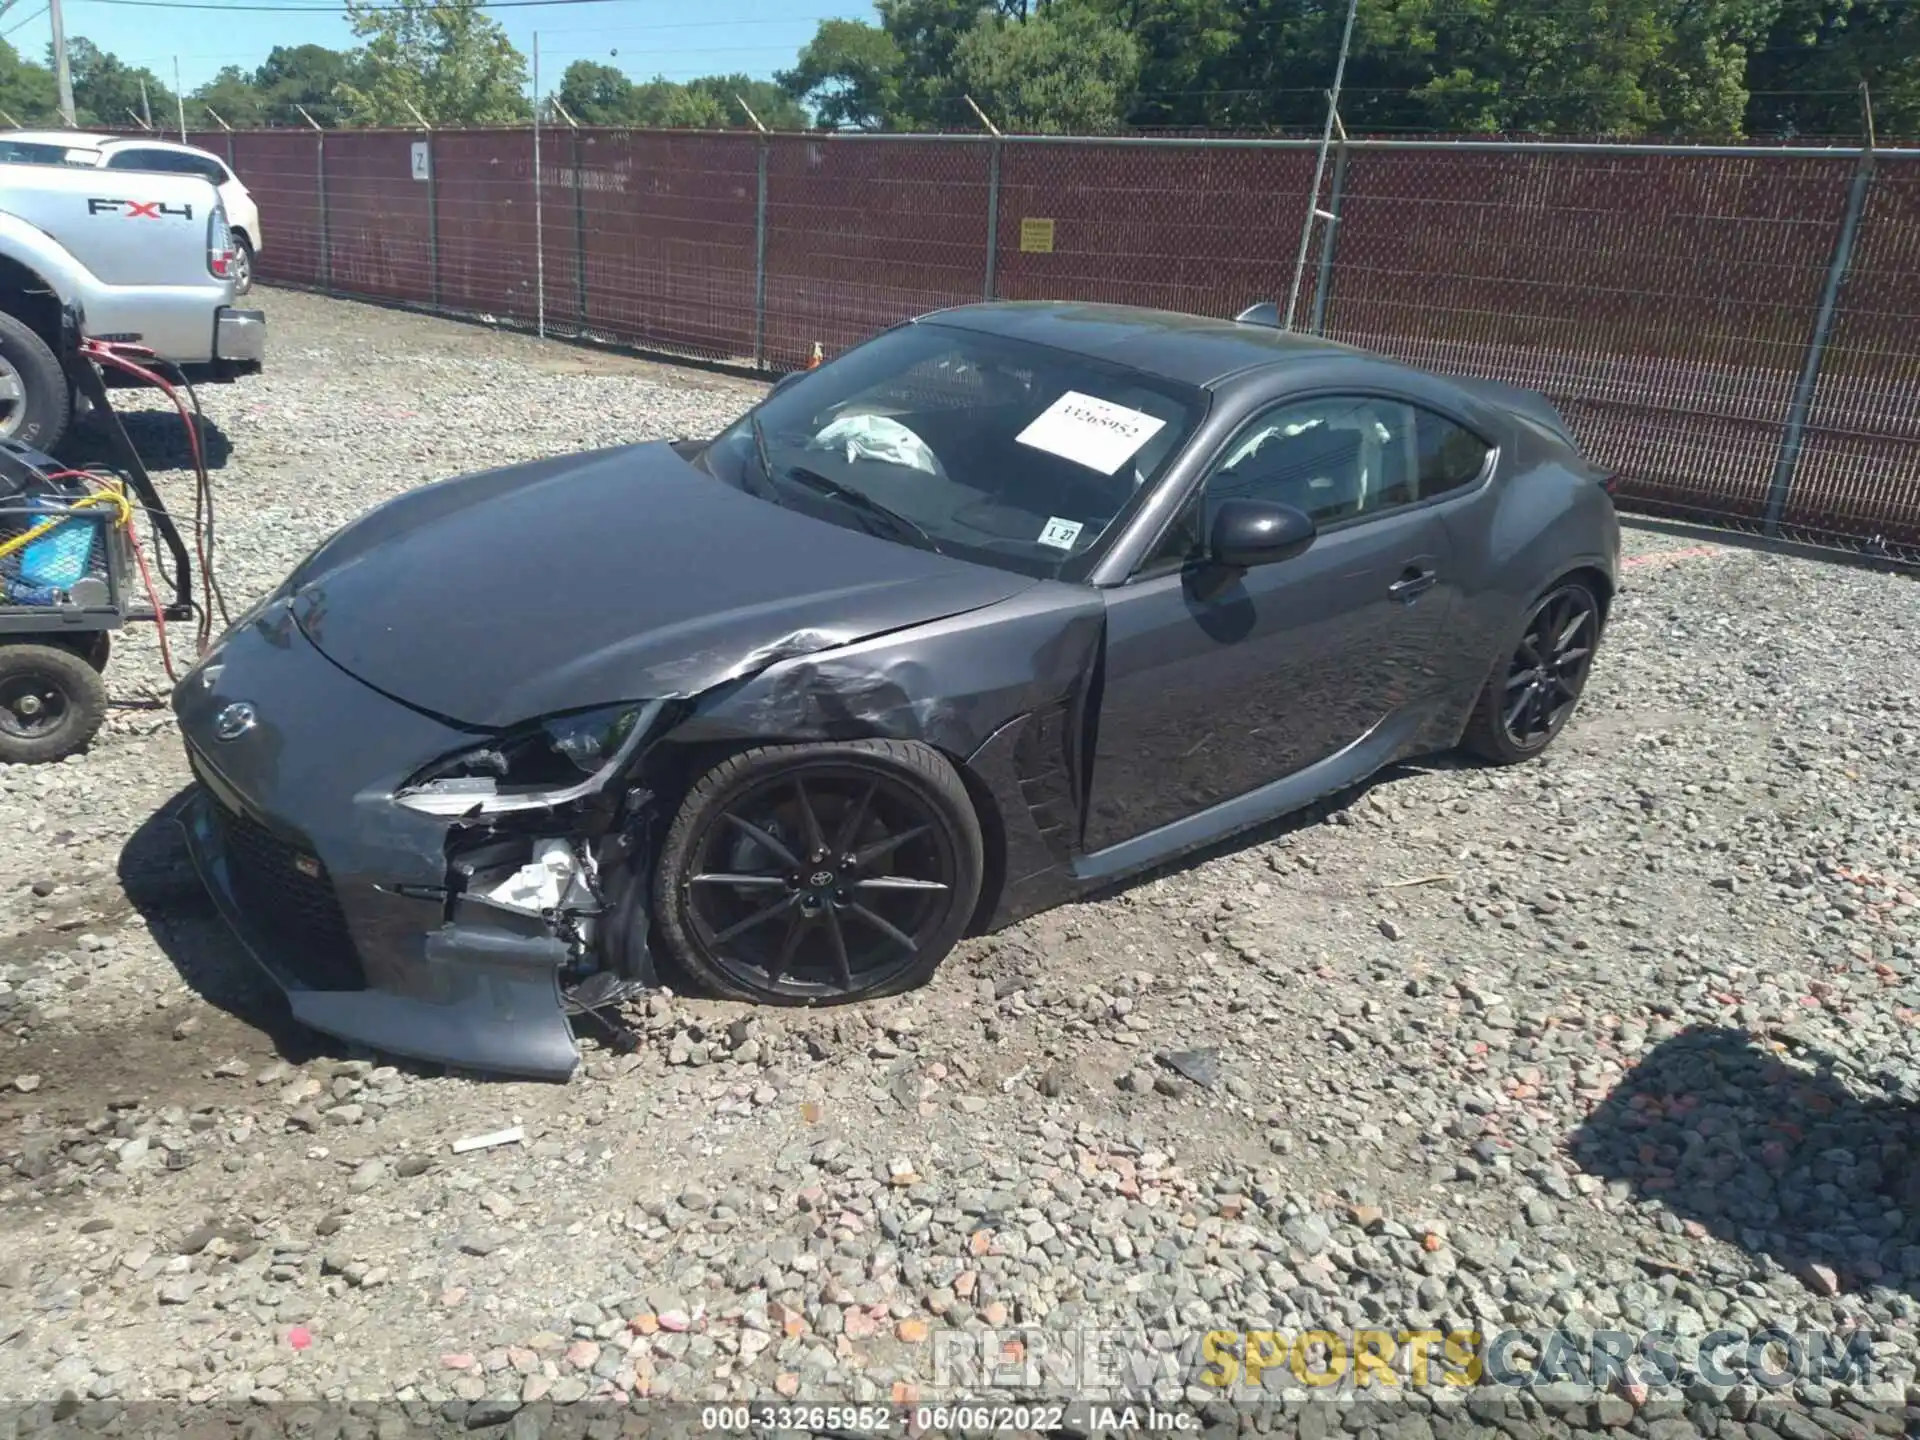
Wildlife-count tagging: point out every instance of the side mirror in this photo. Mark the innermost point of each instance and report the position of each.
(1257, 532)
(785, 380)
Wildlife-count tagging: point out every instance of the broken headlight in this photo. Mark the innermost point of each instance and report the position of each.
(536, 766)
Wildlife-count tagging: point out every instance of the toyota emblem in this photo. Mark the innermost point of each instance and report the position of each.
(234, 720)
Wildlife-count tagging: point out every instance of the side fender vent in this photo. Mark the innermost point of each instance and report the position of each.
(1043, 765)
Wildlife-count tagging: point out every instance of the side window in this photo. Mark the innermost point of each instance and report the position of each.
(1450, 458)
(1335, 458)
(139, 160)
(211, 170)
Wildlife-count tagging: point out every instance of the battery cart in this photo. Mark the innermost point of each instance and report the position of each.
(72, 566)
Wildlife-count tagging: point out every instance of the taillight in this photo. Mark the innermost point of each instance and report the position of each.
(219, 245)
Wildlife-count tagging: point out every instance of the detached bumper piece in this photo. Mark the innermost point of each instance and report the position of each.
(239, 340)
(471, 995)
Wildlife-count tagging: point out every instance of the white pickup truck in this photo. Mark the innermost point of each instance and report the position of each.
(142, 258)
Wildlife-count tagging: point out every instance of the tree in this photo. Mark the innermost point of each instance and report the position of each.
(928, 35)
(660, 104)
(1806, 74)
(777, 109)
(596, 94)
(849, 73)
(108, 91)
(447, 60)
(233, 96)
(26, 89)
(1067, 70)
(310, 76)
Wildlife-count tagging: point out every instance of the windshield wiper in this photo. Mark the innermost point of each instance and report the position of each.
(760, 447)
(903, 528)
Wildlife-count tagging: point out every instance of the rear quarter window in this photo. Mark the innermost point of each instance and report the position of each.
(1448, 456)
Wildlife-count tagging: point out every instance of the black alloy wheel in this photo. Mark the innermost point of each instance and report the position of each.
(822, 873)
(1529, 699)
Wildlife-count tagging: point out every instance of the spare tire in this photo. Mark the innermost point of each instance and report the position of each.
(36, 403)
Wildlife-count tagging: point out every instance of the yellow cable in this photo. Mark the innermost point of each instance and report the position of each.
(27, 537)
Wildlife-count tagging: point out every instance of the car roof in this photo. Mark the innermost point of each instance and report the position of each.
(72, 139)
(1189, 349)
(87, 140)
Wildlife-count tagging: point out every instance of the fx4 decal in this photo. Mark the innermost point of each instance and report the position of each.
(140, 209)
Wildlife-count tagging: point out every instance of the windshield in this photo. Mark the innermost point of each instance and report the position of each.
(987, 449)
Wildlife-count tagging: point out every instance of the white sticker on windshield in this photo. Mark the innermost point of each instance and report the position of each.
(1090, 431)
(1060, 534)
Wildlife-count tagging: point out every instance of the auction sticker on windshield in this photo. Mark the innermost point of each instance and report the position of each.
(1090, 431)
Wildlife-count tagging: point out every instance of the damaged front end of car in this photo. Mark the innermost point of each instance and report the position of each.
(546, 843)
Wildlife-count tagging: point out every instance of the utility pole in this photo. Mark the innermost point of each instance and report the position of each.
(179, 100)
(146, 110)
(62, 75)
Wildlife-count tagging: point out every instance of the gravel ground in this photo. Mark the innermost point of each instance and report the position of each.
(1624, 1040)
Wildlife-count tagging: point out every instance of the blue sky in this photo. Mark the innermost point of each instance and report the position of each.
(651, 36)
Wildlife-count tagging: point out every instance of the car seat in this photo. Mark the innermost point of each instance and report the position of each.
(1317, 470)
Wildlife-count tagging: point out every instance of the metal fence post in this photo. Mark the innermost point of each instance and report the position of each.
(433, 223)
(993, 215)
(1787, 464)
(579, 242)
(1329, 236)
(326, 229)
(760, 258)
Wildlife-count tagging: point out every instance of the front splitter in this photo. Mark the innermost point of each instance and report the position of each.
(489, 1000)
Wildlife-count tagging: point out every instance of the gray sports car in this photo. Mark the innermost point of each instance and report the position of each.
(1009, 602)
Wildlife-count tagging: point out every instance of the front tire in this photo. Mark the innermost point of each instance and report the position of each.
(1532, 694)
(36, 403)
(820, 874)
(52, 702)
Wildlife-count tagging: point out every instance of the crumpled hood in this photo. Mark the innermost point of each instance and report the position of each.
(623, 574)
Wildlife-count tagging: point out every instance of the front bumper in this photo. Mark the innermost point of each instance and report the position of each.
(340, 895)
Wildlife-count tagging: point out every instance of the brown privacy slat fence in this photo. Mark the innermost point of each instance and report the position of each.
(1735, 329)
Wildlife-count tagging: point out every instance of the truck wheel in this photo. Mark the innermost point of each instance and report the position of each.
(242, 265)
(35, 401)
(52, 703)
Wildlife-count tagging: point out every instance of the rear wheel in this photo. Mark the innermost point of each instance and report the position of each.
(35, 401)
(52, 702)
(1529, 699)
(819, 874)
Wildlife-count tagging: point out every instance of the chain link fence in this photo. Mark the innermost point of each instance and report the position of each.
(1734, 329)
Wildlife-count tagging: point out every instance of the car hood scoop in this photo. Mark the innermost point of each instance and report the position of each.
(624, 574)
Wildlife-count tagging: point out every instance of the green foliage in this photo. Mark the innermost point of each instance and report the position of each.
(1693, 68)
(850, 74)
(595, 94)
(109, 92)
(233, 96)
(26, 89)
(1829, 48)
(448, 61)
(1067, 70)
(1686, 68)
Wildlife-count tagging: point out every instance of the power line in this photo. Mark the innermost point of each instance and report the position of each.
(22, 24)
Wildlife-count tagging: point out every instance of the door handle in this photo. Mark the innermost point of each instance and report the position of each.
(1413, 580)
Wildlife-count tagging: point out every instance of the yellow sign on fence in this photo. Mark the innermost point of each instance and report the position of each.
(1036, 237)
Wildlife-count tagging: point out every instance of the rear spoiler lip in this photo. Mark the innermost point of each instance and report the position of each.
(1532, 406)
